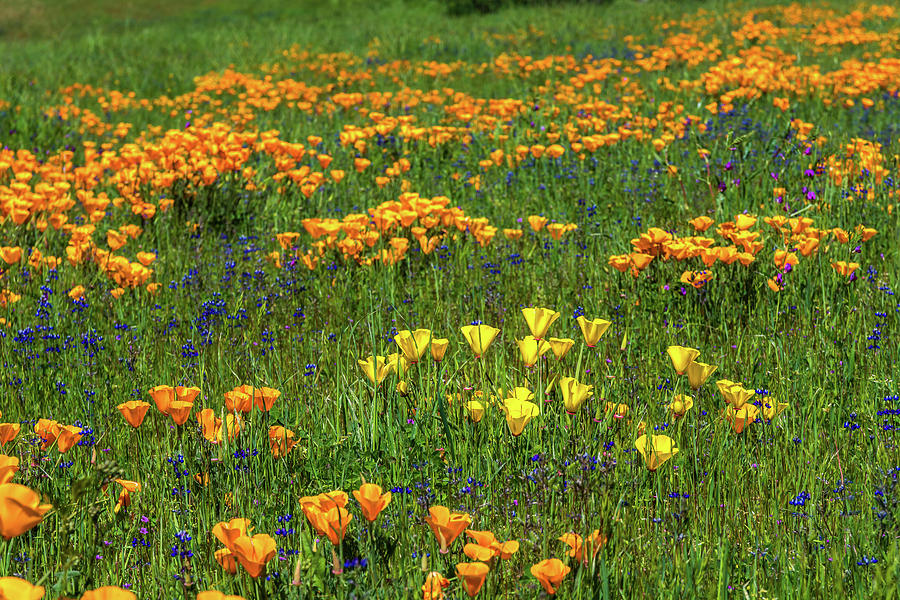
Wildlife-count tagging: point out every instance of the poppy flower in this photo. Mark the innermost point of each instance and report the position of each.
(735, 394)
(539, 320)
(227, 560)
(482, 538)
(698, 373)
(844, 268)
(375, 368)
(8, 432)
(239, 399)
(574, 393)
(522, 394)
(413, 344)
(506, 549)
(531, 349)
(128, 488)
(741, 418)
(577, 544)
(109, 592)
(254, 552)
(186, 394)
(69, 435)
(396, 363)
(619, 411)
(228, 531)
(537, 222)
(772, 408)
(479, 337)
(317, 507)
(480, 553)
(9, 465)
(134, 411)
(550, 572)
(145, 258)
(682, 357)
(11, 254)
(281, 440)
(215, 595)
(475, 410)
(519, 414)
(439, 348)
(20, 510)
(472, 576)
(592, 330)
(180, 411)
(446, 525)
(14, 588)
(680, 405)
(163, 396)
(433, 588)
(264, 398)
(48, 431)
(656, 449)
(210, 425)
(334, 522)
(233, 425)
(561, 346)
(701, 224)
(371, 500)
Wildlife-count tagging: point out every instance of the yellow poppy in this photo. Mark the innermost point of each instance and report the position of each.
(518, 415)
(593, 330)
(698, 373)
(574, 393)
(656, 449)
(682, 357)
(413, 344)
(539, 320)
(479, 337)
(531, 349)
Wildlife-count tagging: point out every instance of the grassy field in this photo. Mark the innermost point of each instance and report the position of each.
(221, 223)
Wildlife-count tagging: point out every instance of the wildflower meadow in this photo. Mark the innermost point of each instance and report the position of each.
(369, 300)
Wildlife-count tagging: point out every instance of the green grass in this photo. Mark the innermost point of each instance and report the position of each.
(717, 520)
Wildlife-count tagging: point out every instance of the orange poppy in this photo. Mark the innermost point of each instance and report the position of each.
(163, 396)
(228, 531)
(265, 397)
(19, 589)
(8, 432)
(446, 525)
(550, 572)
(134, 411)
(180, 411)
(472, 576)
(128, 488)
(433, 589)
(48, 431)
(239, 399)
(371, 500)
(226, 560)
(109, 592)
(210, 425)
(281, 440)
(253, 553)
(9, 465)
(69, 435)
(186, 394)
(20, 510)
